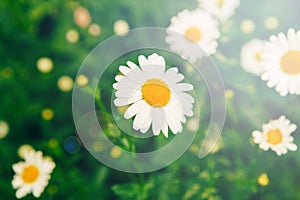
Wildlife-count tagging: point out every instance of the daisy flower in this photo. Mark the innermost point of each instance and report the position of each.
(221, 9)
(155, 96)
(276, 135)
(251, 56)
(189, 31)
(281, 63)
(32, 174)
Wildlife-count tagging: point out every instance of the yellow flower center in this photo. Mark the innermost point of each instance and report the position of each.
(290, 62)
(258, 57)
(193, 33)
(274, 136)
(30, 174)
(156, 93)
(220, 3)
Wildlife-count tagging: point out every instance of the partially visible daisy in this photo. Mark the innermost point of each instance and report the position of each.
(281, 62)
(221, 9)
(251, 56)
(32, 174)
(191, 32)
(155, 96)
(276, 135)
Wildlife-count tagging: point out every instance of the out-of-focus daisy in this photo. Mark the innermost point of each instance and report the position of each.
(190, 31)
(276, 135)
(251, 56)
(155, 96)
(32, 175)
(222, 9)
(281, 63)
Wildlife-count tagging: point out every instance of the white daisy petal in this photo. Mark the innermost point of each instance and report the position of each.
(165, 130)
(174, 114)
(135, 108)
(23, 191)
(152, 71)
(171, 77)
(37, 191)
(119, 78)
(124, 70)
(142, 60)
(137, 76)
(132, 98)
(278, 152)
(156, 60)
(132, 65)
(18, 167)
(292, 147)
(272, 82)
(183, 87)
(264, 146)
(128, 93)
(17, 181)
(158, 122)
(147, 124)
(126, 101)
(173, 123)
(292, 128)
(125, 82)
(186, 103)
(141, 118)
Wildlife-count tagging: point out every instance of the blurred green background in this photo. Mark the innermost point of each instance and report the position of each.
(37, 105)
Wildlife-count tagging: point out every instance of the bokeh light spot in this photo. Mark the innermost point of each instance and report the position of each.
(65, 83)
(247, 26)
(192, 124)
(271, 22)
(121, 27)
(115, 152)
(7, 72)
(47, 114)
(82, 17)
(72, 36)
(4, 129)
(229, 94)
(94, 29)
(44, 65)
(53, 143)
(82, 80)
(72, 145)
